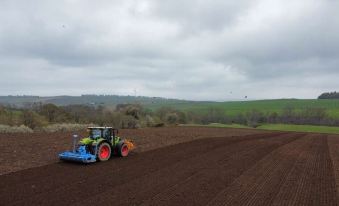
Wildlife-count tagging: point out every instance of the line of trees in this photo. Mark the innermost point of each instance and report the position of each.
(135, 116)
(254, 118)
(329, 95)
(289, 115)
(121, 116)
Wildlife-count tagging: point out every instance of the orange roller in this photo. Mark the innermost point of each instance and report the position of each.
(129, 144)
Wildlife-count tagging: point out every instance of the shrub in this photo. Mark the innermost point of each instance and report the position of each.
(160, 124)
(64, 127)
(15, 129)
(133, 110)
(171, 118)
(129, 122)
(33, 120)
(149, 121)
(255, 118)
(55, 114)
(6, 116)
(114, 119)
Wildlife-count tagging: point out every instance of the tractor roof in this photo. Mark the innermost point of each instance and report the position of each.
(100, 127)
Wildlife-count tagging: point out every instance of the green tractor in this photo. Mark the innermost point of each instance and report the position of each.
(100, 145)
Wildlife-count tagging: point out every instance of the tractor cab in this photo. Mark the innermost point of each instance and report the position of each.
(99, 134)
(107, 133)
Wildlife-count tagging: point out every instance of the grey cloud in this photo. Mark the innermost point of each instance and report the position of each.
(199, 15)
(185, 49)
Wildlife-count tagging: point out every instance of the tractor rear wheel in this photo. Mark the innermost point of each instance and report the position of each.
(123, 150)
(104, 151)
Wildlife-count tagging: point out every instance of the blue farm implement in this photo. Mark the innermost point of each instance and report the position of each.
(100, 145)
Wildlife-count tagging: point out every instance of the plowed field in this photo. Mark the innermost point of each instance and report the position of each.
(219, 167)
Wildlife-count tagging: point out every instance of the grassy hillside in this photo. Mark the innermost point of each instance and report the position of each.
(301, 128)
(218, 125)
(236, 107)
(231, 108)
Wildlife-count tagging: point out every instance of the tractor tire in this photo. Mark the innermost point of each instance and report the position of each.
(104, 152)
(123, 150)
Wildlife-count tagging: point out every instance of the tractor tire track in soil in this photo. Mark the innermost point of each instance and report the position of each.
(311, 180)
(260, 169)
(271, 180)
(197, 167)
(208, 181)
(333, 145)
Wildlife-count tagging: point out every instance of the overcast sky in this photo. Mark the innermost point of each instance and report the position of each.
(188, 49)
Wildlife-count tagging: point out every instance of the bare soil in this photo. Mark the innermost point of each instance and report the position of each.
(22, 151)
(270, 168)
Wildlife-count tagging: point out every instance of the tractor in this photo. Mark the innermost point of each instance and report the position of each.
(100, 145)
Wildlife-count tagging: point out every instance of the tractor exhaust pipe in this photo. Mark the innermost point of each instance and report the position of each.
(75, 141)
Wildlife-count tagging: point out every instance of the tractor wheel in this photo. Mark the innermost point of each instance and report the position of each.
(123, 150)
(104, 151)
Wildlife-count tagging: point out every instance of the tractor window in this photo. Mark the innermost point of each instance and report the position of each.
(107, 133)
(95, 133)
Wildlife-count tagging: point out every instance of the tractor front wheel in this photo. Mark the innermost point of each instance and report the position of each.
(104, 151)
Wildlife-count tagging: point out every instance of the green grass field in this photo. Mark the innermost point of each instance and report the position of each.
(301, 128)
(279, 127)
(237, 107)
(238, 126)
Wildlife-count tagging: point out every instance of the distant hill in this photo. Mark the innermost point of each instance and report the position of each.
(95, 100)
(231, 108)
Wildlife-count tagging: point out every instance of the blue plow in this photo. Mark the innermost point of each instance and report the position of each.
(78, 156)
